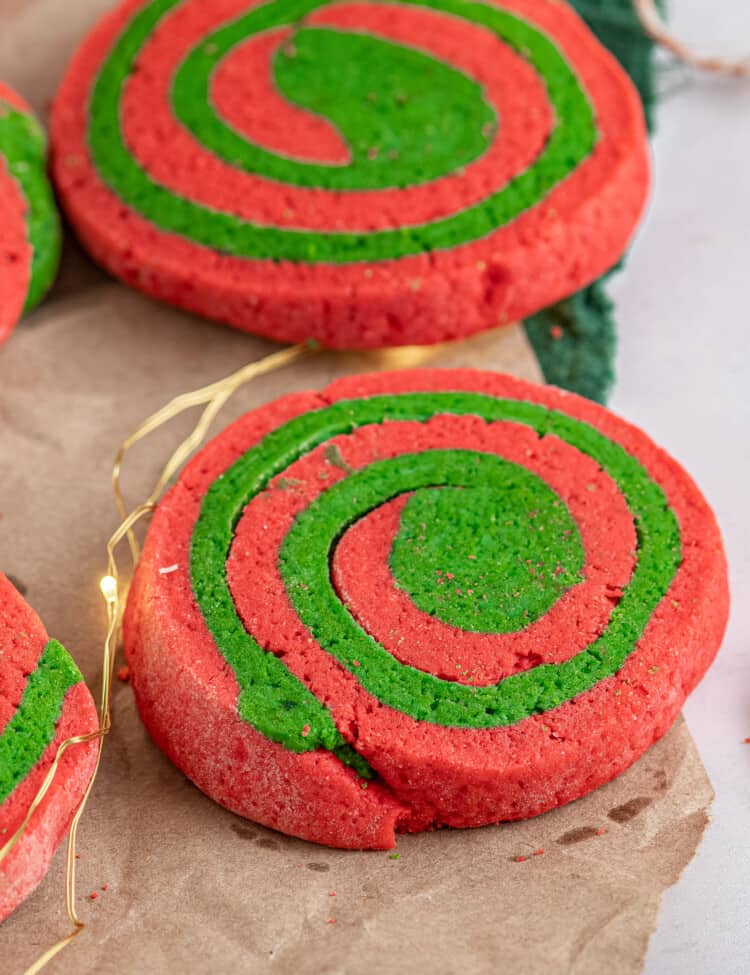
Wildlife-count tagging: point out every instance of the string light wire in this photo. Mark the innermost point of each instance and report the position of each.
(212, 398)
(653, 24)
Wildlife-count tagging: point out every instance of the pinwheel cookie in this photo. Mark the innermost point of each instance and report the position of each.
(29, 224)
(421, 599)
(43, 701)
(363, 174)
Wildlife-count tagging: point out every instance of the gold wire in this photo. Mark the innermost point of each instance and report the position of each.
(212, 397)
(657, 30)
(406, 356)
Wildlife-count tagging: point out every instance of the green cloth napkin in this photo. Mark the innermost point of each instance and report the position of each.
(575, 341)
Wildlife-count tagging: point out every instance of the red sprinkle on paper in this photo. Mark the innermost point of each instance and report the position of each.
(331, 920)
(539, 852)
(123, 674)
(520, 859)
(332, 893)
(746, 741)
(601, 831)
(105, 886)
(93, 895)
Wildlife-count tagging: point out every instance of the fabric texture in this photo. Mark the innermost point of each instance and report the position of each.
(575, 340)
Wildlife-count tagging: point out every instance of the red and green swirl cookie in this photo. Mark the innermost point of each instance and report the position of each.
(360, 173)
(29, 223)
(43, 701)
(421, 599)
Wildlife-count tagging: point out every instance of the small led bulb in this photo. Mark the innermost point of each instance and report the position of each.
(108, 586)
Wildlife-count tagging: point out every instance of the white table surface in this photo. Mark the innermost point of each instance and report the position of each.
(684, 375)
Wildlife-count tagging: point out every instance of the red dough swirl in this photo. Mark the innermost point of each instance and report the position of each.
(358, 173)
(421, 599)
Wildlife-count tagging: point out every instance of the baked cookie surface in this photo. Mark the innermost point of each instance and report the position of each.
(363, 174)
(43, 701)
(420, 599)
(30, 237)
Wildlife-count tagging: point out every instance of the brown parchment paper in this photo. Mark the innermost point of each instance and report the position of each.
(192, 888)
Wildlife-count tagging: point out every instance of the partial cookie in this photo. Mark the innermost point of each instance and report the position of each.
(360, 174)
(421, 599)
(29, 223)
(43, 701)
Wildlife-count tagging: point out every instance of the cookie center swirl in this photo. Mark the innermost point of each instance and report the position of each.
(276, 700)
(405, 116)
(428, 124)
(487, 560)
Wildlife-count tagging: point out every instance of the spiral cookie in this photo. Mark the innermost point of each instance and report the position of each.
(418, 599)
(363, 174)
(29, 224)
(43, 701)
